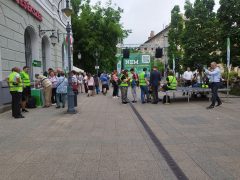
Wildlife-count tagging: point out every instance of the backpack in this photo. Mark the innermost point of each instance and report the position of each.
(31, 102)
(166, 99)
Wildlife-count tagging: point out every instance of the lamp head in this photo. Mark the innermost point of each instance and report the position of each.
(67, 11)
(54, 39)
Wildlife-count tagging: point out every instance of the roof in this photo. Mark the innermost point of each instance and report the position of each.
(158, 34)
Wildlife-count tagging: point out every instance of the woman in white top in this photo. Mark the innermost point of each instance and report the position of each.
(90, 85)
(54, 81)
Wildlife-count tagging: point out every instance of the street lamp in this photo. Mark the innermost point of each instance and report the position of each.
(53, 37)
(67, 11)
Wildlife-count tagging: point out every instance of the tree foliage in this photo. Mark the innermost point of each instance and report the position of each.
(229, 18)
(175, 35)
(96, 28)
(201, 32)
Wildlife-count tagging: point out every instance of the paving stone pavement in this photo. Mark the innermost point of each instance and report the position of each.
(106, 141)
(204, 143)
(103, 141)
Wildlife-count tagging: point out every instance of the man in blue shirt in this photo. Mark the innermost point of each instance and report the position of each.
(155, 78)
(215, 76)
(105, 80)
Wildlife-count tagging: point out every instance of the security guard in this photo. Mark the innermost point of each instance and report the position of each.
(26, 87)
(143, 83)
(171, 82)
(16, 88)
(124, 86)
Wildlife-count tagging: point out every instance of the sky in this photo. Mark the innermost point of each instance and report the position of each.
(143, 16)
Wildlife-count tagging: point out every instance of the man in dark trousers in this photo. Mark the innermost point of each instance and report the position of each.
(155, 78)
(16, 88)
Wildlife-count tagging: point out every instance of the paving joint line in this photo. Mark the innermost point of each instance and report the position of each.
(162, 150)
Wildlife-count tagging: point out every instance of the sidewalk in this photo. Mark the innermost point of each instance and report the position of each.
(103, 141)
(204, 143)
(106, 141)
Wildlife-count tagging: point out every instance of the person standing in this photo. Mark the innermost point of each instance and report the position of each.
(155, 78)
(124, 86)
(90, 85)
(85, 78)
(80, 81)
(187, 77)
(61, 90)
(133, 83)
(53, 78)
(16, 89)
(115, 84)
(143, 83)
(47, 89)
(215, 76)
(26, 87)
(105, 83)
(96, 82)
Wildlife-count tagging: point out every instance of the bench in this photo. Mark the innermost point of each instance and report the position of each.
(190, 90)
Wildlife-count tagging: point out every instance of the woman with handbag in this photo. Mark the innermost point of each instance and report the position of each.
(61, 90)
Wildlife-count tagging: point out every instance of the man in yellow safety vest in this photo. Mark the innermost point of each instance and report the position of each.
(26, 87)
(124, 86)
(16, 88)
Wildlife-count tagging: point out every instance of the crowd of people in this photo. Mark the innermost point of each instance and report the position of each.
(55, 85)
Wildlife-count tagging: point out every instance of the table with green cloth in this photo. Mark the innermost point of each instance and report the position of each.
(38, 96)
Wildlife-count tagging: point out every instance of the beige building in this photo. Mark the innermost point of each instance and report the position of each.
(160, 40)
(23, 41)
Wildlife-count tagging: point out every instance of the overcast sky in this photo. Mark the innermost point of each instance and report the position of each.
(142, 16)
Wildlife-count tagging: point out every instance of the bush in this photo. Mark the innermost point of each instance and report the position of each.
(232, 75)
(235, 91)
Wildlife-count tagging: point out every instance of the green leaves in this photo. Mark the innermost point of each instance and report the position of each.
(96, 28)
(204, 36)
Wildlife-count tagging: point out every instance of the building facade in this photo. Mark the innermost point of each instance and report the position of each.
(23, 41)
(160, 40)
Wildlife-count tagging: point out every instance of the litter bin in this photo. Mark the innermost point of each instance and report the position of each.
(38, 96)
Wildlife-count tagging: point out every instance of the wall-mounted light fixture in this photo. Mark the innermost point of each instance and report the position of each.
(53, 37)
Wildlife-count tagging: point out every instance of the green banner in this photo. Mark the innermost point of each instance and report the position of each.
(137, 61)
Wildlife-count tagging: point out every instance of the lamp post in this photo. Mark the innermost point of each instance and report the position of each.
(165, 57)
(79, 56)
(97, 66)
(67, 11)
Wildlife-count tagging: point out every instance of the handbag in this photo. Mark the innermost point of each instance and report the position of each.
(74, 86)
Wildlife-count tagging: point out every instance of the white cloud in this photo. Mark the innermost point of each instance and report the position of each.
(142, 16)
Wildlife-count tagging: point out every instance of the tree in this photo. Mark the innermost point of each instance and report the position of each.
(200, 37)
(229, 18)
(175, 35)
(97, 28)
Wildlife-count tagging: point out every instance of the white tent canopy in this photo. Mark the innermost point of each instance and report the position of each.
(78, 70)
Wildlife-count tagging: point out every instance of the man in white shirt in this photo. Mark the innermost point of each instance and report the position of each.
(215, 76)
(187, 77)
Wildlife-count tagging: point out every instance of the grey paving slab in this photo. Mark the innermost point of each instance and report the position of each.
(203, 143)
(104, 140)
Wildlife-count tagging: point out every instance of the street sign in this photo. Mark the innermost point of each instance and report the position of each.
(36, 63)
(96, 67)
